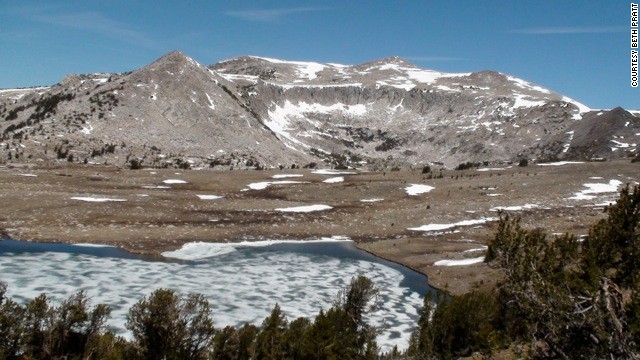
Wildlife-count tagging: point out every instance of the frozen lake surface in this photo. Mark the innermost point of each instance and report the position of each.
(242, 284)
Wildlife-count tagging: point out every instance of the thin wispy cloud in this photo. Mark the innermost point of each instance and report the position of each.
(564, 30)
(269, 15)
(16, 36)
(433, 58)
(96, 23)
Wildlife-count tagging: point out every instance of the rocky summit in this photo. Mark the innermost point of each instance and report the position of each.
(261, 112)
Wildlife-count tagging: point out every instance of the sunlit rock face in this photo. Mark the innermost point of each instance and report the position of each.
(253, 111)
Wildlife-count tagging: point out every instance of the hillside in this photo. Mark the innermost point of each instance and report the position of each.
(253, 112)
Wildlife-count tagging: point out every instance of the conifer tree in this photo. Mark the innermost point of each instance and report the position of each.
(11, 326)
(226, 344)
(167, 326)
(247, 342)
(270, 340)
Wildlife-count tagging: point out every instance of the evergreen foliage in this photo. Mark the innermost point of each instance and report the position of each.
(270, 341)
(560, 298)
(40, 331)
(451, 327)
(169, 326)
(565, 298)
(467, 165)
(166, 325)
(135, 164)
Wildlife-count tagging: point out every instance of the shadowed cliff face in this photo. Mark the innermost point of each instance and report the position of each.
(252, 110)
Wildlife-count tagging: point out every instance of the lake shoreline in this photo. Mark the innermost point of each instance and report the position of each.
(155, 210)
(4, 235)
(242, 284)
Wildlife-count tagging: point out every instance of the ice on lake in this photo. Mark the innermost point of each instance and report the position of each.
(242, 283)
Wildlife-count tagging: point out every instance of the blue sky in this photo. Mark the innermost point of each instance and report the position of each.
(577, 48)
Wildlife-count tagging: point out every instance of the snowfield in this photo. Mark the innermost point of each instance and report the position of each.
(560, 163)
(265, 184)
(596, 188)
(334, 180)
(418, 189)
(493, 169)
(333, 172)
(437, 227)
(174, 181)
(459, 262)
(515, 208)
(304, 209)
(209, 197)
(284, 176)
(95, 199)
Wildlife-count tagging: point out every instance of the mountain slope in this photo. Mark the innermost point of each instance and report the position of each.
(390, 108)
(252, 110)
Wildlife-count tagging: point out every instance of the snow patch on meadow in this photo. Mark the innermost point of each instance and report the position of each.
(174, 181)
(493, 169)
(265, 184)
(333, 180)
(95, 199)
(371, 200)
(459, 262)
(333, 172)
(560, 163)
(437, 227)
(209, 197)
(306, 208)
(515, 208)
(596, 188)
(417, 189)
(483, 248)
(283, 176)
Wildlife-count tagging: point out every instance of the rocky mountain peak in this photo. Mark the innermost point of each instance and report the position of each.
(173, 60)
(172, 57)
(387, 112)
(395, 60)
(619, 111)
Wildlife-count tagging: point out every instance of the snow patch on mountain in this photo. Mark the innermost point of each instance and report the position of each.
(582, 109)
(527, 85)
(212, 106)
(306, 70)
(281, 117)
(525, 101)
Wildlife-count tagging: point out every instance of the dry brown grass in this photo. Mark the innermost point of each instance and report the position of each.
(41, 209)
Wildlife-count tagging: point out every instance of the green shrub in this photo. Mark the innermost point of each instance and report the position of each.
(135, 164)
(452, 327)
